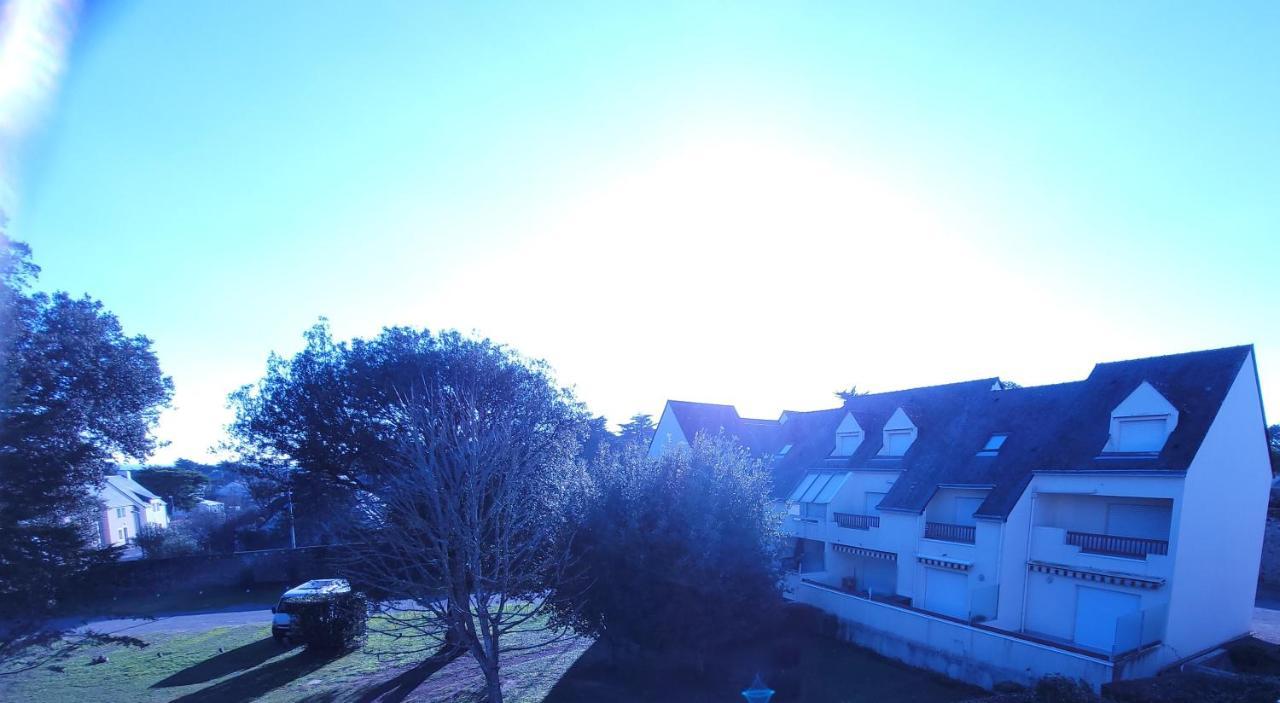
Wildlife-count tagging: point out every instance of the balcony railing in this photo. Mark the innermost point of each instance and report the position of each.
(1111, 545)
(949, 533)
(857, 522)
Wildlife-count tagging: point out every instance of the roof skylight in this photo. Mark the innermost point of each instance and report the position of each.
(993, 445)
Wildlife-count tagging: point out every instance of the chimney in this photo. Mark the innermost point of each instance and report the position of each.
(128, 473)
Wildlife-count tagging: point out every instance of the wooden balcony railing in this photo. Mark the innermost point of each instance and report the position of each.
(857, 522)
(1111, 545)
(949, 533)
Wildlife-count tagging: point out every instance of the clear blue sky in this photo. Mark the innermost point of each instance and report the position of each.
(734, 202)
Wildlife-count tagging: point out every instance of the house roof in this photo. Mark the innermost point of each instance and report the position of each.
(1060, 427)
(127, 487)
(760, 436)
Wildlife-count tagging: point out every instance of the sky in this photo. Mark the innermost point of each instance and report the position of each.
(747, 203)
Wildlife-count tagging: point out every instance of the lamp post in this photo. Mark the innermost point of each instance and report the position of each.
(758, 692)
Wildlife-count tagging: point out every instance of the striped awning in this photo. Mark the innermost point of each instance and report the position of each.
(943, 562)
(1108, 577)
(864, 552)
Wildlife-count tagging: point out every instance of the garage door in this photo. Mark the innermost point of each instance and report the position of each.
(946, 592)
(1097, 610)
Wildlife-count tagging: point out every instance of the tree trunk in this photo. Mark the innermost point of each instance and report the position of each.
(492, 682)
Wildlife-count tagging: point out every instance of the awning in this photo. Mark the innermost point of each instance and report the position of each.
(1114, 578)
(864, 552)
(944, 562)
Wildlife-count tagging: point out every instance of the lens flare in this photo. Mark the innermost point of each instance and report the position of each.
(34, 38)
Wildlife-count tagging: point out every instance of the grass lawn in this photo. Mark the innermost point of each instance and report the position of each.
(243, 664)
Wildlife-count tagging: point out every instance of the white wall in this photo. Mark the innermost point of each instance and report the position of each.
(668, 433)
(1219, 534)
(1073, 499)
(976, 655)
(1089, 513)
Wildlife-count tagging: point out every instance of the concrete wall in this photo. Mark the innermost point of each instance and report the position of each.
(964, 652)
(1025, 537)
(1219, 534)
(1089, 513)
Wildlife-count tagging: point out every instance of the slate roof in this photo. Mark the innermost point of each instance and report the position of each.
(130, 488)
(760, 436)
(1060, 427)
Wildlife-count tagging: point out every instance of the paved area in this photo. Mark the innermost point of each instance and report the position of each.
(1266, 615)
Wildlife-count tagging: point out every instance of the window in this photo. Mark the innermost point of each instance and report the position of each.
(992, 447)
(119, 512)
(1141, 423)
(783, 452)
(1140, 434)
(896, 442)
(815, 491)
(124, 534)
(847, 442)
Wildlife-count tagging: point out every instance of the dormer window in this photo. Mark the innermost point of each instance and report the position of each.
(992, 447)
(1141, 434)
(1142, 422)
(899, 434)
(896, 442)
(848, 437)
(846, 443)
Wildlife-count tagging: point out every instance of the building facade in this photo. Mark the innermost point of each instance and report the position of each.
(1101, 529)
(126, 507)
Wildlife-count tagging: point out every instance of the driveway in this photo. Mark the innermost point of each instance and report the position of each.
(185, 622)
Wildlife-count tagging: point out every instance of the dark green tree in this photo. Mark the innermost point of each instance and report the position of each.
(75, 392)
(1273, 443)
(852, 392)
(180, 488)
(638, 430)
(597, 437)
(678, 553)
(449, 461)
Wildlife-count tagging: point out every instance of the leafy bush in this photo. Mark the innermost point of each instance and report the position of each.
(1060, 689)
(678, 553)
(1255, 657)
(1196, 688)
(163, 543)
(333, 622)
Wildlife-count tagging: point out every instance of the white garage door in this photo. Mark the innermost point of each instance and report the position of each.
(946, 592)
(1097, 610)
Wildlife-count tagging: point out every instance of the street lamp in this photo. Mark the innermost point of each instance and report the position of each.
(758, 692)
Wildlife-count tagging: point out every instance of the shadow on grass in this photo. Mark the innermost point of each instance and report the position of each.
(399, 687)
(803, 668)
(257, 682)
(238, 659)
(594, 677)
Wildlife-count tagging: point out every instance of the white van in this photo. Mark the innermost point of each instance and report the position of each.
(286, 611)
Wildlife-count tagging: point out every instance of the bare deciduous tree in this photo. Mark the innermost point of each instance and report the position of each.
(467, 533)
